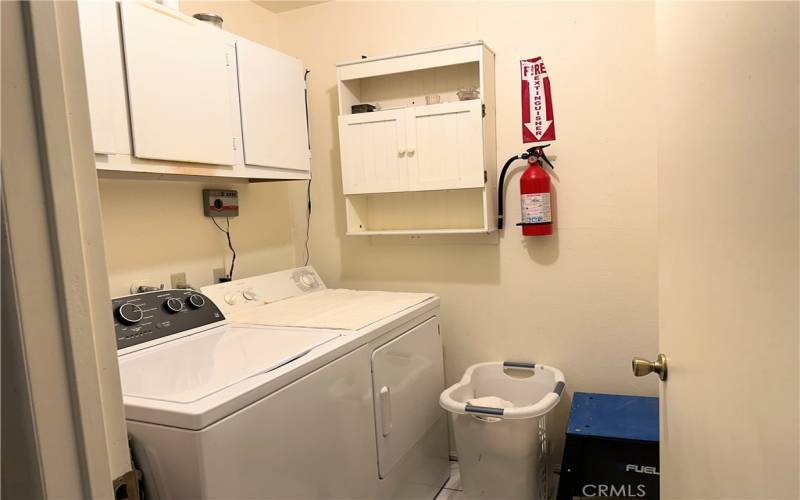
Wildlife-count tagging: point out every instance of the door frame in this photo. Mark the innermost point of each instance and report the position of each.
(61, 385)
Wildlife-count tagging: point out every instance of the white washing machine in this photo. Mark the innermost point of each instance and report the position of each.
(228, 408)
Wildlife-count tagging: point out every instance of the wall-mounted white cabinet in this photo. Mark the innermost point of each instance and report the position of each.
(415, 168)
(172, 86)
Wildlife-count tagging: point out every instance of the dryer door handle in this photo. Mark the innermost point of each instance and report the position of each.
(385, 397)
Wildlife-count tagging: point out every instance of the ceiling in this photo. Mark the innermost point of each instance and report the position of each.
(277, 6)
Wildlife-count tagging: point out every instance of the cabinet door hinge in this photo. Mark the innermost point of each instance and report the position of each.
(235, 144)
(485, 176)
(483, 110)
(126, 486)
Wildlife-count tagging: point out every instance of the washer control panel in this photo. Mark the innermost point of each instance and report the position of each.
(143, 317)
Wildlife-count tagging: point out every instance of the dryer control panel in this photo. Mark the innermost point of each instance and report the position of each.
(143, 317)
(247, 293)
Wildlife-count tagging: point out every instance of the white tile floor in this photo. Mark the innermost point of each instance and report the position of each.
(452, 489)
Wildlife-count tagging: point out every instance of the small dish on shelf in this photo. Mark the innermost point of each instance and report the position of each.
(433, 99)
(468, 94)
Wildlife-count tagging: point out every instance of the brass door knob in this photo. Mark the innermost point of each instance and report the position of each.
(642, 367)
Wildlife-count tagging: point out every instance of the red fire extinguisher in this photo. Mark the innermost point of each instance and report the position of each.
(535, 194)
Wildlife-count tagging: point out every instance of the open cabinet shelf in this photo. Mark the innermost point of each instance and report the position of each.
(414, 167)
(422, 212)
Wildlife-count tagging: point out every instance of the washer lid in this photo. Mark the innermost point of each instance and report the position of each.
(193, 367)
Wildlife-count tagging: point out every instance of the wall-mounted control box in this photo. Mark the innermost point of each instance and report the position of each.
(220, 203)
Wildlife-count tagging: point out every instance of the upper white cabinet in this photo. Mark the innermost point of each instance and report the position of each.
(272, 93)
(164, 96)
(178, 86)
(105, 77)
(424, 160)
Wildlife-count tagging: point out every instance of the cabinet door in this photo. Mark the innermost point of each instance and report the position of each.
(178, 85)
(105, 76)
(445, 146)
(407, 378)
(373, 151)
(272, 97)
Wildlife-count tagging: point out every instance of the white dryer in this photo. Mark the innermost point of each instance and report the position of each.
(400, 333)
(226, 409)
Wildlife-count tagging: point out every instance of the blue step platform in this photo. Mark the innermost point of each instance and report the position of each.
(611, 447)
(614, 416)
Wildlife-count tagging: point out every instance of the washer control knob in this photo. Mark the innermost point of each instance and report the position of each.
(196, 301)
(130, 313)
(250, 294)
(231, 299)
(173, 305)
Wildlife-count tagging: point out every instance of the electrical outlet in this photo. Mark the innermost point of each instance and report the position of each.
(177, 280)
(219, 273)
(217, 203)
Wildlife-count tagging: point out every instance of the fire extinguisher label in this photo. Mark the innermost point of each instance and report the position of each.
(536, 208)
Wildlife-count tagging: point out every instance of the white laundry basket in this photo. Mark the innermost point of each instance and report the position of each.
(502, 451)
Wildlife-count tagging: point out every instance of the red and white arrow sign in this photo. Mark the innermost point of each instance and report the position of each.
(538, 124)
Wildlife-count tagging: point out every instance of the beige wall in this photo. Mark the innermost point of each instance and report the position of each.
(242, 17)
(155, 228)
(583, 300)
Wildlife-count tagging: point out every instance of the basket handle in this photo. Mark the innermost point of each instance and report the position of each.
(484, 410)
(519, 364)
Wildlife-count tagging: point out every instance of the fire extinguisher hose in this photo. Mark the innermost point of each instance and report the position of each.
(501, 188)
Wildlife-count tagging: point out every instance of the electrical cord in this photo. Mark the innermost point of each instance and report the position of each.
(230, 244)
(305, 96)
(308, 220)
(308, 188)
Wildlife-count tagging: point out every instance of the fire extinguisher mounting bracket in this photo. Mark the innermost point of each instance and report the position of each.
(538, 153)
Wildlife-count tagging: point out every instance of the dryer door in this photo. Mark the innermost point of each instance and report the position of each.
(407, 379)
